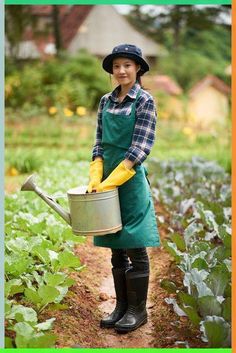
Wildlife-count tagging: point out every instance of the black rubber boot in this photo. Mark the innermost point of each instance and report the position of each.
(136, 314)
(121, 298)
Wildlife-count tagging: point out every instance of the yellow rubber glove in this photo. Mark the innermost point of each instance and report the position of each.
(119, 176)
(95, 174)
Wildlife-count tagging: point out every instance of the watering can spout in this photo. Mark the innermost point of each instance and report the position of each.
(29, 185)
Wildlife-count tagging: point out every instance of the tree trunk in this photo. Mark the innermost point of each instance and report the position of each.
(56, 28)
(176, 26)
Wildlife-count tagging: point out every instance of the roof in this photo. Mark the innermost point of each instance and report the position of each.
(70, 17)
(87, 26)
(46, 10)
(104, 28)
(72, 21)
(167, 84)
(207, 81)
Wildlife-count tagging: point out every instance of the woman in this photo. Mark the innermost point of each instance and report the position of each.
(125, 135)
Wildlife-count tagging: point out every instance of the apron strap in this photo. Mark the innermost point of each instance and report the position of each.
(135, 102)
(107, 104)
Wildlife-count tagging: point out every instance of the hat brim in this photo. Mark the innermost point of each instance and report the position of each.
(108, 60)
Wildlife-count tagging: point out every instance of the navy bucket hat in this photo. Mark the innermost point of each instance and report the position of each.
(126, 51)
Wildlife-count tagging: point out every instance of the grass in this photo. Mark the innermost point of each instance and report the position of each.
(46, 139)
(177, 140)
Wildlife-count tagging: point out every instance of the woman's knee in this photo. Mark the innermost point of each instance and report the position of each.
(119, 258)
(139, 259)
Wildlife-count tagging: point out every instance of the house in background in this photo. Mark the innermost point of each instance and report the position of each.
(96, 28)
(209, 101)
(167, 93)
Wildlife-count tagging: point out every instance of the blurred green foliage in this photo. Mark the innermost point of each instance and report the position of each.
(198, 39)
(25, 161)
(53, 138)
(61, 82)
(201, 53)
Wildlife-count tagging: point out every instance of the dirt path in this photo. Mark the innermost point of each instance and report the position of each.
(93, 296)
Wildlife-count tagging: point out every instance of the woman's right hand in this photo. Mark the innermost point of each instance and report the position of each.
(95, 174)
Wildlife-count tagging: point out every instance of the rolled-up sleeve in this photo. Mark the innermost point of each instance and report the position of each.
(144, 132)
(97, 148)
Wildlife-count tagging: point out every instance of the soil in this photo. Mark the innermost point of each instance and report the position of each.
(93, 296)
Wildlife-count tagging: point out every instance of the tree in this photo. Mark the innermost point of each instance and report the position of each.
(56, 27)
(172, 25)
(17, 18)
(197, 38)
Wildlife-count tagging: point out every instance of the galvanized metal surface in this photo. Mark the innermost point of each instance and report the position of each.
(90, 213)
(94, 213)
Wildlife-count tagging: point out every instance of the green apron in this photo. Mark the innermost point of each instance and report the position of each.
(136, 204)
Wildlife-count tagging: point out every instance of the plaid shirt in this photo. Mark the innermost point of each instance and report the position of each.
(144, 131)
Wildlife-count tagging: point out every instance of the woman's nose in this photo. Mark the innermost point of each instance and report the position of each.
(122, 69)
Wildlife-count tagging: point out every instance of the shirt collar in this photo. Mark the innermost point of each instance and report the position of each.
(131, 94)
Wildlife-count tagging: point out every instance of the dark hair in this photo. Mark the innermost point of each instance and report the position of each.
(138, 79)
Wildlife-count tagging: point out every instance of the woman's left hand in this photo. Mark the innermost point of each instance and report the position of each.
(119, 176)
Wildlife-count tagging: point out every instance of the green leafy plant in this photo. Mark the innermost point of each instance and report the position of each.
(38, 258)
(199, 241)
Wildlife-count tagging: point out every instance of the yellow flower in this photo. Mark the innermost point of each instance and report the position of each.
(13, 171)
(81, 111)
(52, 110)
(187, 131)
(67, 112)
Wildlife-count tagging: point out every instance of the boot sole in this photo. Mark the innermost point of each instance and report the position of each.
(128, 329)
(110, 324)
(103, 325)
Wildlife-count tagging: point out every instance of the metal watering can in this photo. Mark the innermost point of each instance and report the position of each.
(90, 213)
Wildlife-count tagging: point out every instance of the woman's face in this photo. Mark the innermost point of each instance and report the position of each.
(125, 71)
